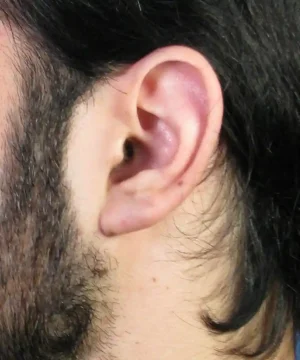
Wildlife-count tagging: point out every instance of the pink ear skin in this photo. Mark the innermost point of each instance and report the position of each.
(172, 106)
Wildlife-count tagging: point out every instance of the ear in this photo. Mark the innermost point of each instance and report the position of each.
(171, 106)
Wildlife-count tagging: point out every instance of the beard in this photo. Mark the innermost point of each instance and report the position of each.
(51, 285)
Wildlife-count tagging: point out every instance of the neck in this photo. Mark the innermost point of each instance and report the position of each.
(161, 297)
(165, 284)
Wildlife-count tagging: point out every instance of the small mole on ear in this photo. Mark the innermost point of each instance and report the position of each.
(167, 288)
(154, 280)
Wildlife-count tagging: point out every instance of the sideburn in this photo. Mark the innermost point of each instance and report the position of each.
(46, 289)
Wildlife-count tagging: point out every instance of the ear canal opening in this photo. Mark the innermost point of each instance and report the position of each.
(135, 159)
(129, 150)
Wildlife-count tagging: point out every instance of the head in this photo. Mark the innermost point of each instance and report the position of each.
(149, 179)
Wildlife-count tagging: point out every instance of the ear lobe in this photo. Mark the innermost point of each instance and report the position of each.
(176, 103)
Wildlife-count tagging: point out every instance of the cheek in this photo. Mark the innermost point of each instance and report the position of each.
(84, 173)
(87, 166)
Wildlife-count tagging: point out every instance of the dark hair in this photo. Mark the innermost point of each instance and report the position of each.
(254, 48)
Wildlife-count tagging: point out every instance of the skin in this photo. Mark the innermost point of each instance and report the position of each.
(158, 290)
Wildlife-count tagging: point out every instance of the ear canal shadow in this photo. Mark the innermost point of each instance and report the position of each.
(136, 159)
(128, 151)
